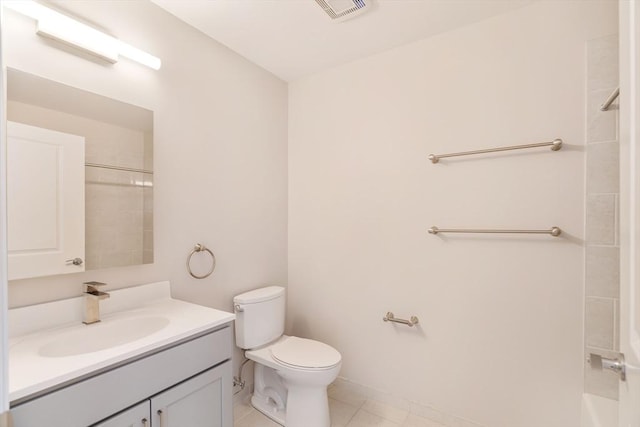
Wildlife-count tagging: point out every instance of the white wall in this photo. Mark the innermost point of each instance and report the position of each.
(500, 336)
(220, 150)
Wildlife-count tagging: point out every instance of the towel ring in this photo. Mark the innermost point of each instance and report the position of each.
(201, 248)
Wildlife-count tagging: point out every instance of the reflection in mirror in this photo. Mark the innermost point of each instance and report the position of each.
(118, 171)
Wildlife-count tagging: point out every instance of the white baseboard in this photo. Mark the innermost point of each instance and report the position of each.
(416, 408)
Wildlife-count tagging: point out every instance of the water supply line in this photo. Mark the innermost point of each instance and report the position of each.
(237, 381)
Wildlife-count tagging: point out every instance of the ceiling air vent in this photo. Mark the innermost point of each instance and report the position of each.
(341, 10)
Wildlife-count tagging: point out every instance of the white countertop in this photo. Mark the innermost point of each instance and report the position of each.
(33, 328)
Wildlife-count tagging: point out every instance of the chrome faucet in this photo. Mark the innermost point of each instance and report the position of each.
(92, 297)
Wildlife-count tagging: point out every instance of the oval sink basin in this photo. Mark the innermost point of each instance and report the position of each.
(101, 336)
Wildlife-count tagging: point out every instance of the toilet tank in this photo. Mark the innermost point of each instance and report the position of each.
(259, 316)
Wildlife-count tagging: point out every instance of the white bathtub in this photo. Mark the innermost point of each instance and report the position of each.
(598, 411)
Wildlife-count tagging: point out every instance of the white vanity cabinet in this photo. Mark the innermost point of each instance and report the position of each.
(188, 383)
(138, 416)
(197, 402)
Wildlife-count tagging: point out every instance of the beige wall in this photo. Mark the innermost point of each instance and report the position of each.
(220, 150)
(501, 318)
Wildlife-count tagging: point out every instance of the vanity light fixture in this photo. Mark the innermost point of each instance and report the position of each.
(62, 28)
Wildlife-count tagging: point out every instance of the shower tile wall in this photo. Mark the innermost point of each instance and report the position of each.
(115, 200)
(602, 254)
(147, 222)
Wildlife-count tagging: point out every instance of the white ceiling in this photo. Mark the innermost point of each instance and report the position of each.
(294, 38)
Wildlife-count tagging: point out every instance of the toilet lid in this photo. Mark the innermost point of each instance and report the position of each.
(306, 353)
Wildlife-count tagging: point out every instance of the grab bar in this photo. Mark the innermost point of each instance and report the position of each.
(391, 318)
(605, 106)
(553, 231)
(556, 144)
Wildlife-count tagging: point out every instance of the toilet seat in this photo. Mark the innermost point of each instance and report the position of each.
(303, 353)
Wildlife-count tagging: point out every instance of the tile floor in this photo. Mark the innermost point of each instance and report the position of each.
(347, 410)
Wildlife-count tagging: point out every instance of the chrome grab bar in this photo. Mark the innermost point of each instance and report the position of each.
(556, 144)
(553, 231)
(391, 318)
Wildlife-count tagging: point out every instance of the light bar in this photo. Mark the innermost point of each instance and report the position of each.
(78, 35)
(138, 55)
(57, 26)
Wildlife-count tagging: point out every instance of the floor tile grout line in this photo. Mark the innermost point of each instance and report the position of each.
(244, 416)
(352, 417)
(349, 403)
(358, 408)
(384, 418)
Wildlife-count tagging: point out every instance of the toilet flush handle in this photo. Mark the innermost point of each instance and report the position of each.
(238, 308)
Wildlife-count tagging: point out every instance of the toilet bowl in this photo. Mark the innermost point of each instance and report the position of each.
(291, 374)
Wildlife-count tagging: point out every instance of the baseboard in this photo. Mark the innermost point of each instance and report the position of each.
(415, 408)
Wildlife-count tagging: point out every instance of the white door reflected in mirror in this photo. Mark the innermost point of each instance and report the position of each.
(45, 179)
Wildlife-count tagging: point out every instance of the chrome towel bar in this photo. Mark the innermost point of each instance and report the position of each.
(605, 106)
(556, 144)
(553, 231)
(391, 318)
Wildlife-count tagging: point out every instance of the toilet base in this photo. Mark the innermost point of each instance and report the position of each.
(268, 408)
(307, 407)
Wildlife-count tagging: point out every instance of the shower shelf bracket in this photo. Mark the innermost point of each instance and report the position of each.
(605, 106)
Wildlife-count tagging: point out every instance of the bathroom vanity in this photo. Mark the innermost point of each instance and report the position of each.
(151, 361)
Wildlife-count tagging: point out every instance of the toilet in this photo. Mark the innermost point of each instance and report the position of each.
(291, 374)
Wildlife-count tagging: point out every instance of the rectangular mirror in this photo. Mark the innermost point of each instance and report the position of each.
(80, 178)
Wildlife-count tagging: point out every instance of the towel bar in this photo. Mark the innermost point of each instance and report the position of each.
(556, 144)
(553, 231)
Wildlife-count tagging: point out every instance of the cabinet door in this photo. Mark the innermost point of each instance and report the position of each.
(45, 192)
(202, 401)
(137, 416)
